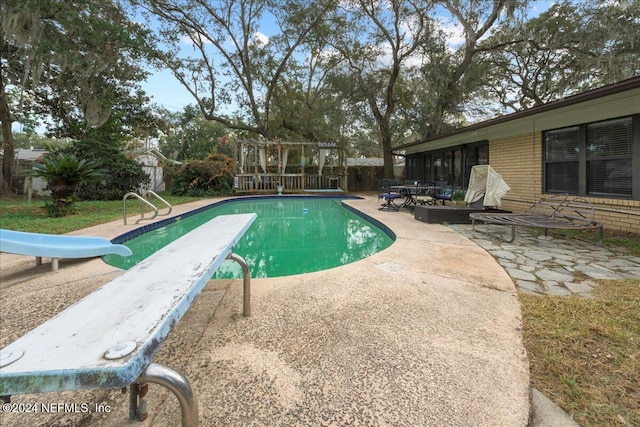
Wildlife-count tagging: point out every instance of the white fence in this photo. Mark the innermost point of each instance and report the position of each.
(269, 182)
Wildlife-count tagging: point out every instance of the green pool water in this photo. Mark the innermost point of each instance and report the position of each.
(291, 235)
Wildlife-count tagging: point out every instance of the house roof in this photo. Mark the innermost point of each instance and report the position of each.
(370, 161)
(614, 100)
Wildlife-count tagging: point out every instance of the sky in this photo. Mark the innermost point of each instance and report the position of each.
(165, 90)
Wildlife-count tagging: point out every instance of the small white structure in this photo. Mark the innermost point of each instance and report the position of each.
(24, 158)
(152, 160)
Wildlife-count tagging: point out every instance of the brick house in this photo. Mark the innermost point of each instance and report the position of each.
(587, 145)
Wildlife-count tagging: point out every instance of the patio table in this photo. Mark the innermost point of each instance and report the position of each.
(408, 191)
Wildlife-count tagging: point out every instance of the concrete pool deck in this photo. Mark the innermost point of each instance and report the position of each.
(424, 333)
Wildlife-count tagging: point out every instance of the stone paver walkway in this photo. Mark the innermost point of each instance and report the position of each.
(543, 265)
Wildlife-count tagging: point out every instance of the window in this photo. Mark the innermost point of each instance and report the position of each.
(437, 167)
(450, 167)
(483, 154)
(561, 156)
(609, 158)
(447, 170)
(477, 154)
(457, 169)
(411, 164)
(425, 175)
(592, 159)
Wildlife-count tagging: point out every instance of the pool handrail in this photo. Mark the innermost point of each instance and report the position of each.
(157, 196)
(144, 201)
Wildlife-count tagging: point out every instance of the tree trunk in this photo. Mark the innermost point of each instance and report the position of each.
(63, 195)
(8, 142)
(389, 172)
(385, 136)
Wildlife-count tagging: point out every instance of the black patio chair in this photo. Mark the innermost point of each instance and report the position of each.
(424, 195)
(389, 197)
(446, 195)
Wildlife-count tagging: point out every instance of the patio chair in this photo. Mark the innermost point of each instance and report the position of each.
(445, 196)
(389, 197)
(425, 195)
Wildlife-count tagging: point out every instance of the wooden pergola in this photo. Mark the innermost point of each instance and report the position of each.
(276, 166)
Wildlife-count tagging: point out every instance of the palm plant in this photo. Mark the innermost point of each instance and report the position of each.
(64, 174)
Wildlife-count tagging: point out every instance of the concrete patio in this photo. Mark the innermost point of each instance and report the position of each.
(424, 333)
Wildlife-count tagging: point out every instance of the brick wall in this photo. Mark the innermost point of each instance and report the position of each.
(519, 160)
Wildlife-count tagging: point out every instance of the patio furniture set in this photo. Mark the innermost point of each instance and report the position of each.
(483, 198)
(410, 194)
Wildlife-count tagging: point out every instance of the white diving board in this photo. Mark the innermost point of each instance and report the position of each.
(108, 339)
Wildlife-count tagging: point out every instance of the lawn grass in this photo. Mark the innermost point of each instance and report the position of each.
(18, 214)
(585, 352)
(616, 240)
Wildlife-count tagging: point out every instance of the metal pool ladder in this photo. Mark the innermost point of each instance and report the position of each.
(143, 202)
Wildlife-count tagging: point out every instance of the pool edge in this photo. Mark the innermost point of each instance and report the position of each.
(158, 224)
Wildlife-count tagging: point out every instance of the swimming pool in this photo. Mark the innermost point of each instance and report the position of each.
(291, 235)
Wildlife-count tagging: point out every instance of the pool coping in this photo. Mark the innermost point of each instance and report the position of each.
(144, 228)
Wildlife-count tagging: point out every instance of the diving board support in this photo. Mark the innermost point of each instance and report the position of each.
(246, 283)
(178, 385)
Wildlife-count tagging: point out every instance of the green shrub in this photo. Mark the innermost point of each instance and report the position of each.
(458, 195)
(124, 175)
(107, 151)
(205, 178)
(64, 174)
